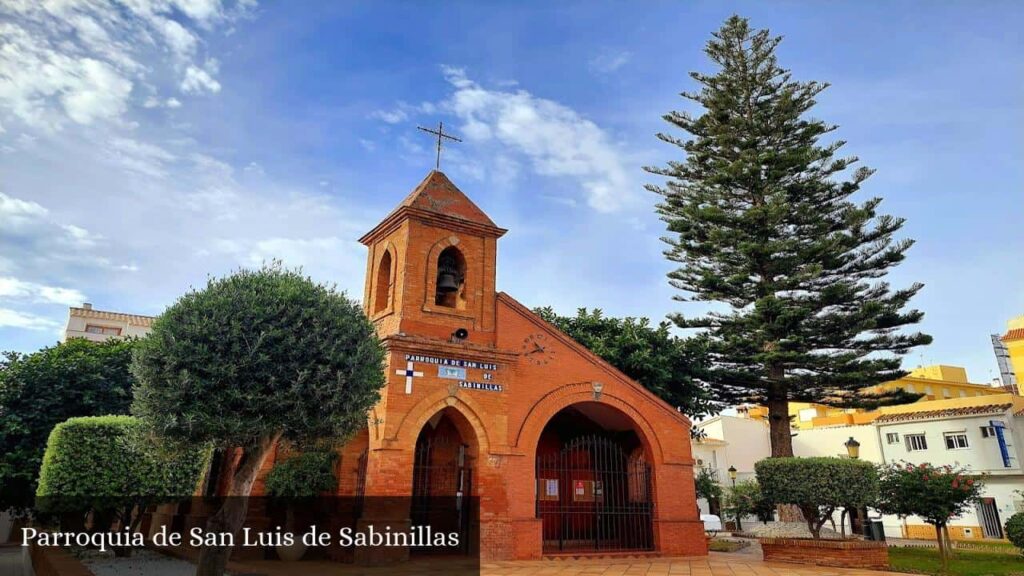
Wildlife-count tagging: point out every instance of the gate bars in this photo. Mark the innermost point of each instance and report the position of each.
(592, 496)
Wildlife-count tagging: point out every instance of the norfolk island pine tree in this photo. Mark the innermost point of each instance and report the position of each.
(761, 220)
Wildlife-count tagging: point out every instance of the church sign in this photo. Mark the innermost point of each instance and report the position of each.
(450, 362)
(482, 386)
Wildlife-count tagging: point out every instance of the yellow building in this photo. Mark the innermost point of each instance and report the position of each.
(1014, 341)
(938, 382)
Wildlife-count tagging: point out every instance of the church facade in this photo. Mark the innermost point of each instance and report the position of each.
(562, 452)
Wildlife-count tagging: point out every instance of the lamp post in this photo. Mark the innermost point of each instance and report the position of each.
(852, 448)
(853, 451)
(732, 476)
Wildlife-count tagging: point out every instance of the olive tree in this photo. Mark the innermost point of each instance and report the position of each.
(818, 486)
(254, 358)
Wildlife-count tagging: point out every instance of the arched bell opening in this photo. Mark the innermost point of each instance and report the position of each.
(442, 487)
(382, 296)
(594, 482)
(450, 289)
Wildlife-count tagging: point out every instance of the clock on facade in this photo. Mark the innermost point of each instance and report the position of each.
(537, 349)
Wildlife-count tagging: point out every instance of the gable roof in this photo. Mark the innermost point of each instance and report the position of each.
(944, 413)
(437, 198)
(599, 362)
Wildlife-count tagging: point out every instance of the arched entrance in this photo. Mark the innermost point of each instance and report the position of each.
(594, 482)
(442, 485)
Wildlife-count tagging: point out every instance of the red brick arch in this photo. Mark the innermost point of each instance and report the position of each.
(556, 400)
(414, 420)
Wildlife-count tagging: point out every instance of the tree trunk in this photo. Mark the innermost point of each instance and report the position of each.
(942, 549)
(778, 416)
(842, 522)
(229, 519)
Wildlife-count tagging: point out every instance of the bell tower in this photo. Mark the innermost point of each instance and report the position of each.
(431, 266)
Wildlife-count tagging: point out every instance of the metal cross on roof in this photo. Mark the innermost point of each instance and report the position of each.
(440, 136)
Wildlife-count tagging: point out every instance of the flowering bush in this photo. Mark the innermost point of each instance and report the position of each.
(936, 494)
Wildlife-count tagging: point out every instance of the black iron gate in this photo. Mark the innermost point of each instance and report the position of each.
(593, 496)
(441, 489)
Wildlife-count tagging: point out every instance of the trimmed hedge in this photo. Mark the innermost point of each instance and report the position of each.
(108, 463)
(818, 485)
(1015, 530)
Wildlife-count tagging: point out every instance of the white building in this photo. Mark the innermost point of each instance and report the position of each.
(749, 443)
(99, 325)
(984, 434)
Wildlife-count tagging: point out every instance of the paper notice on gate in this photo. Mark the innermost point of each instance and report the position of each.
(548, 488)
(583, 491)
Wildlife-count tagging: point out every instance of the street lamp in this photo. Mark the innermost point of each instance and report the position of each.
(852, 448)
(732, 476)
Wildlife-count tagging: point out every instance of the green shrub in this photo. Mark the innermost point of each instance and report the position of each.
(107, 465)
(304, 475)
(42, 389)
(1015, 530)
(818, 486)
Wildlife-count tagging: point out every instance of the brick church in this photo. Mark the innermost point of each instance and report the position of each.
(563, 453)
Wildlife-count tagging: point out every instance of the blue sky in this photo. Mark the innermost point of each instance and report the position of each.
(149, 144)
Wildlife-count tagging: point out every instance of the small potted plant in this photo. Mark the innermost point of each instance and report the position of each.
(300, 477)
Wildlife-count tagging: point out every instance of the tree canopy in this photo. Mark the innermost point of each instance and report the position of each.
(665, 364)
(254, 358)
(256, 354)
(762, 221)
(39, 390)
(817, 486)
(936, 494)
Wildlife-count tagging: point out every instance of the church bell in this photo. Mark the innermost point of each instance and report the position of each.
(448, 274)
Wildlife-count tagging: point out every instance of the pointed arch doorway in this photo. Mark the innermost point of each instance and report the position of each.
(442, 487)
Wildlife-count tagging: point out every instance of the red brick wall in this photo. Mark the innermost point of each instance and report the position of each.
(845, 553)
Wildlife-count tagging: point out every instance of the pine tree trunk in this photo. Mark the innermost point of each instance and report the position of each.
(229, 519)
(778, 416)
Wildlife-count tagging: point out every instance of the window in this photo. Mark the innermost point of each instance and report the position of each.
(892, 438)
(988, 432)
(915, 442)
(911, 388)
(963, 393)
(380, 301)
(955, 440)
(928, 390)
(946, 393)
(104, 330)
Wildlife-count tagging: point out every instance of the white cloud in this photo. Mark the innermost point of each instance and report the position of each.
(80, 61)
(13, 288)
(557, 140)
(172, 103)
(199, 80)
(15, 212)
(608, 62)
(14, 319)
(390, 116)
